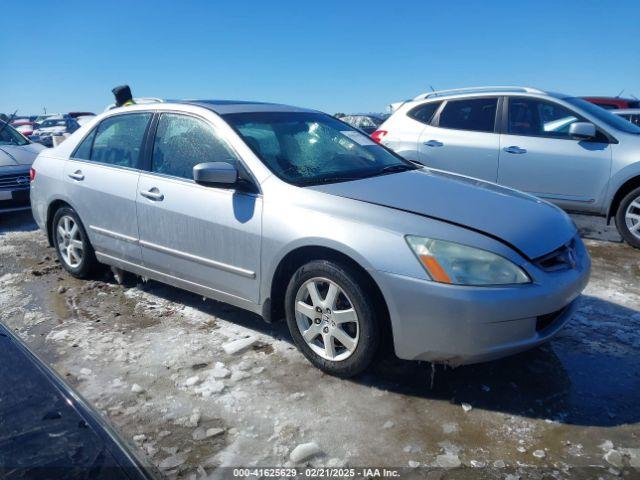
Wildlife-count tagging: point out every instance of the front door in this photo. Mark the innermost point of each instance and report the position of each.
(462, 139)
(102, 179)
(539, 156)
(203, 235)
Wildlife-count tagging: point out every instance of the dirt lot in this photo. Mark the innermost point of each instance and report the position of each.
(152, 359)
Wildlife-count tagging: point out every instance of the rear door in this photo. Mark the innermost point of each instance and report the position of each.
(539, 156)
(204, 236)
(101, 180)
(463, 138)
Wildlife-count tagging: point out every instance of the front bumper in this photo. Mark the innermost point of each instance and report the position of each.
(14, 192)
(460, 325)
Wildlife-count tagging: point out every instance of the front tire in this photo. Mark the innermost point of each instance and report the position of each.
(628, 218)
(330, 314)
(72, 244)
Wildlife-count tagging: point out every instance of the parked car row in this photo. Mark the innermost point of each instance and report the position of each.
(560, 148)
(51, 127)
(43, 128)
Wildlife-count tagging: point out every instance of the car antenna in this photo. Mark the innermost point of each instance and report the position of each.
(432, 89)
(8, 121)
(618, 96)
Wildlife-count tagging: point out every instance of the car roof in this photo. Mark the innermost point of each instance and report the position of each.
(474, 92)
(224, 107)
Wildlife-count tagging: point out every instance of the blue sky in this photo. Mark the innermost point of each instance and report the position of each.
(331, 55)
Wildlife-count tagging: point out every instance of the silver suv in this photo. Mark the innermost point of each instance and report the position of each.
(287, 211)
(560, 148)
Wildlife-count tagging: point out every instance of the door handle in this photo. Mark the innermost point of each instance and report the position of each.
(433, 143)
(515, 150)
(153, 194)
(77, 175)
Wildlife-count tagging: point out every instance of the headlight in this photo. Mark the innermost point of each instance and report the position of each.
(449, 262)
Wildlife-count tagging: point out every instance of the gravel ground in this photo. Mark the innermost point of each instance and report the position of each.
(159, 364)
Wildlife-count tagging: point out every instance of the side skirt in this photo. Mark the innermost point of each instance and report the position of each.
(180, 283)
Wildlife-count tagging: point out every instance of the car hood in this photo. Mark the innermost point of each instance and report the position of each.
(529, 225)
(12, 155)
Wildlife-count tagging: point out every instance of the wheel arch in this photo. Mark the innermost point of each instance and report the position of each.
(623, 190)
(53, 207)
(273, 308)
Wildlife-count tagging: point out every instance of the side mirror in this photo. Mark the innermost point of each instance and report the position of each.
(582, 130)
(215, 173)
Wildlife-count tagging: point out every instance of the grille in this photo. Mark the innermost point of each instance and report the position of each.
(545, 321)
(14, 180)
(563, 258)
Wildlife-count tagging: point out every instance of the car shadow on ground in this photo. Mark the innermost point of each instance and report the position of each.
(17, 222)
(578, 378)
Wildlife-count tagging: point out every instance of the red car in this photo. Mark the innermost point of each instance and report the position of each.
(613, 103)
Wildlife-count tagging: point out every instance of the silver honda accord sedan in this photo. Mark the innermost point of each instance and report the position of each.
(289, 212)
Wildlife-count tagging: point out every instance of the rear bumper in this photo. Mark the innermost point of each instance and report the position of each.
(461, 325)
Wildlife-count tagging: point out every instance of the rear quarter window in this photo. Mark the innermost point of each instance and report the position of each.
(424, 113)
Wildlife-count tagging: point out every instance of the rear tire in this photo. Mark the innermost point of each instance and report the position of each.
(331, 305)
(72, 244)
(628, 218)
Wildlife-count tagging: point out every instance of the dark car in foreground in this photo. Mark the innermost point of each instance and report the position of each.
(47, 431)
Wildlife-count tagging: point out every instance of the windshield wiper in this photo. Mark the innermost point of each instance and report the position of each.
(315, 181)
(398, 167)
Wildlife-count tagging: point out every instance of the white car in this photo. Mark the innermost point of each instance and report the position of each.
(557, 147)
(631, 114)
(53, 127)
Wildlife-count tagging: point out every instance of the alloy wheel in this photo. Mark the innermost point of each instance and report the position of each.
(632, 217)
(69, 240)
(327, 319)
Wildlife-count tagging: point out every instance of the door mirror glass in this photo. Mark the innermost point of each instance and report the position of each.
(215, 173)
(582, 130)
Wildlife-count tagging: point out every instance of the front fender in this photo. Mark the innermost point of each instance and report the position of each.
(621, 177)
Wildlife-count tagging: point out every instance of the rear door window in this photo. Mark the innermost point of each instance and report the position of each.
(118, 140)
(476, 114)
(424, 113)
